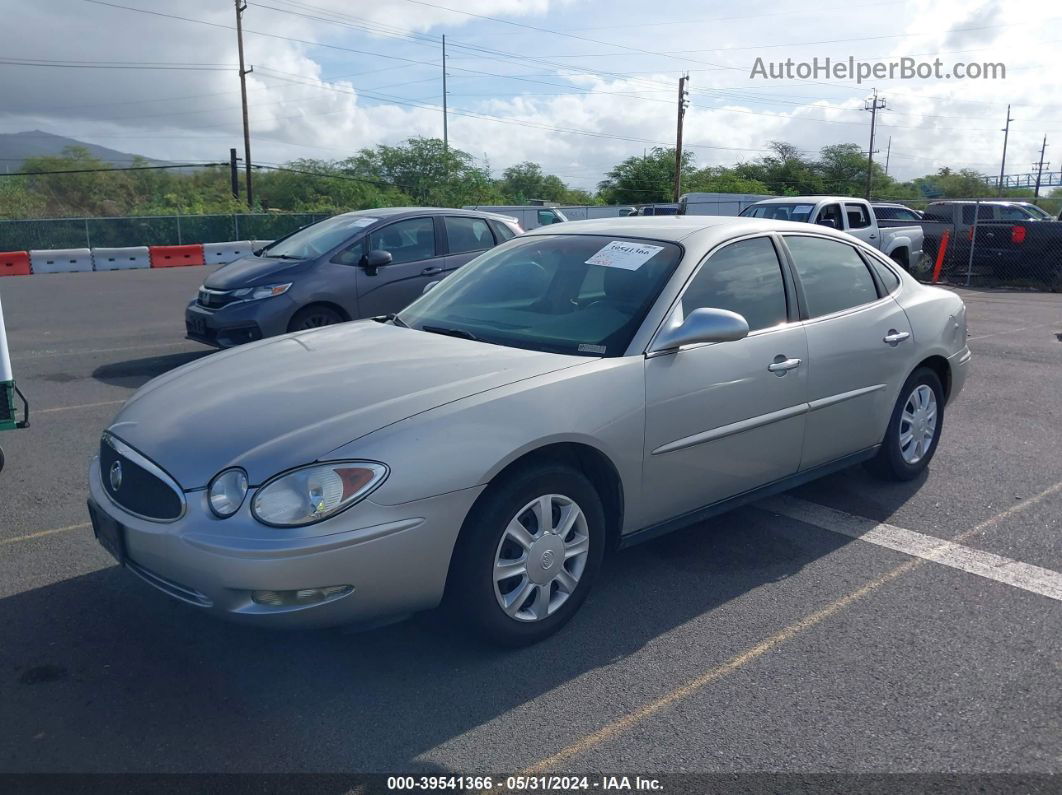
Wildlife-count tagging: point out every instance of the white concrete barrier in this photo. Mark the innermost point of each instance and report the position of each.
(224, 253)
(120, 259)
(61, 260)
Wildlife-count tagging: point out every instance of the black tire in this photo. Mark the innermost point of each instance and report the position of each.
(889, 463)
(314, 316)
(1, 459)
(471, 597)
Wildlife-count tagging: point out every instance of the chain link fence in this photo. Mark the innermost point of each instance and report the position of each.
(160, 230)
(990, 243)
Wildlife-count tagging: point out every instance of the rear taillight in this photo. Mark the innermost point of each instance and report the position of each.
(1017, 234)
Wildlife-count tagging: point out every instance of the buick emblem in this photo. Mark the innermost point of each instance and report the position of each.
(115, 475)
(547, 558)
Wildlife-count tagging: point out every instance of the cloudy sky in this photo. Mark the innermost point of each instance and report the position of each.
(576, 85)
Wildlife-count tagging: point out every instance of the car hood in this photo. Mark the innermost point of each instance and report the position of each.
(252, 271)
(291, 400)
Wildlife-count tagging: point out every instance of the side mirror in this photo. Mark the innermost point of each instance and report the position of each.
(703, 325)
(430, 286)
(377, 258)
(827, 222)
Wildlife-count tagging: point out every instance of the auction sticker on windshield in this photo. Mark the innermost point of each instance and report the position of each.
(365, 222)
(620, 254)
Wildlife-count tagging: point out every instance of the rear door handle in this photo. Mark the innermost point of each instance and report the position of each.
(895, 337)
(431, 271)
(781, 365)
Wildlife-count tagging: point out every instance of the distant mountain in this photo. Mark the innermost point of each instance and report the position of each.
(16, 147)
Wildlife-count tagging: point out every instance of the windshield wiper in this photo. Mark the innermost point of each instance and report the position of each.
(282, 256)
(392, 318)
(451, 332)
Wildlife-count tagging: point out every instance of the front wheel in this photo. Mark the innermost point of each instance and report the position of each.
(311, 317)
(914, 428)
(527, 555)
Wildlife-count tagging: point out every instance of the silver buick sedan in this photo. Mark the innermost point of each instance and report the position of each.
(578, 389)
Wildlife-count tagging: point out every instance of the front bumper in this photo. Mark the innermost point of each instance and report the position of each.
(239, 323)
(395, 557)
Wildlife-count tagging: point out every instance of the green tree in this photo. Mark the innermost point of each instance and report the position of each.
(645, 180)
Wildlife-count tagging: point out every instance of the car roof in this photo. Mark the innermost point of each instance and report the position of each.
(395, 212)
(993, 202)
(675, 228)
(807, 199)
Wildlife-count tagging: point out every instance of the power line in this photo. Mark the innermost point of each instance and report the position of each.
(107, 170)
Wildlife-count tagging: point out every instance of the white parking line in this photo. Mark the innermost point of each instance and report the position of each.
(1034, 579)
(48, 354)
(79, 406)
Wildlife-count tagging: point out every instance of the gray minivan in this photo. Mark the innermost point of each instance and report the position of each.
(354, 265)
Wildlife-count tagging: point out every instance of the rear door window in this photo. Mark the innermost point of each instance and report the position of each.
(467, 234)
(857, 216)
(832, 274)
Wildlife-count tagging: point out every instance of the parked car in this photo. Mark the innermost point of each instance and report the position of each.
(895, 212)
(580, 388)
(960, 214)
(659, 209)
(353, 265)
(529, 216)
(1025, 251)
(854, 216)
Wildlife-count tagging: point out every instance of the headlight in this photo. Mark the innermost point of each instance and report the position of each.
(314, 493)
(227, 491)
(265, 291)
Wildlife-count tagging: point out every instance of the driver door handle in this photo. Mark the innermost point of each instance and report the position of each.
(431, 271)
(895, 337)
(781, 365)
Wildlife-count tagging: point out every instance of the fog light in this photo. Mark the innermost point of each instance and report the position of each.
(303, 596)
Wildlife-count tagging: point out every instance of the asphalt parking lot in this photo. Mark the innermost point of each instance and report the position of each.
(755, 642)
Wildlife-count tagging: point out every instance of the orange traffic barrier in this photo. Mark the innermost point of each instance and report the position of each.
(176, 256)
(940, 254)
(14, 263)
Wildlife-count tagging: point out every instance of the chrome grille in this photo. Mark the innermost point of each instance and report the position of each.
(137, 484)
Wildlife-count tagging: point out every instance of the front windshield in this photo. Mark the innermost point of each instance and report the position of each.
(780, 211)
(572, 294)
(319, 238)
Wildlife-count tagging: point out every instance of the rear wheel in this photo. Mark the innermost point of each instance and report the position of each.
(914, 428)
(314, 316)
(528, 555)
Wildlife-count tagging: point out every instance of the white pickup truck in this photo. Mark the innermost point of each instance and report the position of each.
(854, 216)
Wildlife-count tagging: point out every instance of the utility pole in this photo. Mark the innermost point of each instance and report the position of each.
(1003, 164)
(683, 102)
(888, 154)
(1040, 168)
(240, 8)
(873, 104)
(234, 174)
(446, 131)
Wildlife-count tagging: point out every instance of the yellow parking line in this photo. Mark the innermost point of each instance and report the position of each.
(43, 533)
(79, 406)
(624, 724)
